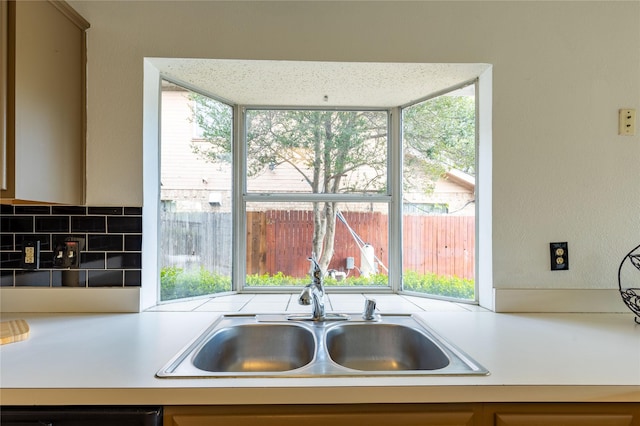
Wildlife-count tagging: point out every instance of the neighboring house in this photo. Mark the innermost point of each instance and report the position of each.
(190, 183)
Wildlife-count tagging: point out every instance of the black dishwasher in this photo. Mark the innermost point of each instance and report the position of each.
(81, 416)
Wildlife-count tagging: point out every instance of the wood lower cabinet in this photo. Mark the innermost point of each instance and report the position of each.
(477, 414)
(324, 415)
(565, 414)
(564, 420)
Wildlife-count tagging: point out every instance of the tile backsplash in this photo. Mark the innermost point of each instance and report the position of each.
(111, 256)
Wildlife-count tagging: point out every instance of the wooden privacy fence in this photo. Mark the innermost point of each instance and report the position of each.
(193, 240)
(280, 241)
(444, 245)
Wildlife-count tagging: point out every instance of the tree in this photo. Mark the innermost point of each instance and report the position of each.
(438, 135)
(334, 152)
(342, 151)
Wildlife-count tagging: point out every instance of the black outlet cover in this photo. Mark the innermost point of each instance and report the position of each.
(559, 253)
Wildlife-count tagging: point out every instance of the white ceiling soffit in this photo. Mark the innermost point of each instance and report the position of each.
(316, 84)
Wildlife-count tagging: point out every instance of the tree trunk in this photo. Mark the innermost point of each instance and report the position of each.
(329, 235)
(319, 232)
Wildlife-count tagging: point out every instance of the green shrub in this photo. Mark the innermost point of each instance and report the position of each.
(175, 283)
(440, 285)
(282, 280)
(277, 280)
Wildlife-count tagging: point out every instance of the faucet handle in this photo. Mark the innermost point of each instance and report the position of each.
(369, 310)
(305, 296)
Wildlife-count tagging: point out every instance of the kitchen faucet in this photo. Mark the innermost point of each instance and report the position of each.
(313, 294)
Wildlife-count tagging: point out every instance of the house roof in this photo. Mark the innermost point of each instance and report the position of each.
(461, 178)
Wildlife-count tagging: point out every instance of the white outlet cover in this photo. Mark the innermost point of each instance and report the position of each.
(627, 122)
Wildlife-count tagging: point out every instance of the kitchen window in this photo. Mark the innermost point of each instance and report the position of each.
(380, 251)
(384, 197)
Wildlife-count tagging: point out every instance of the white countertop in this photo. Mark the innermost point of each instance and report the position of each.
(113, 358)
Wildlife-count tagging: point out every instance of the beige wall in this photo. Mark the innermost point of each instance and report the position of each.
(561, 70)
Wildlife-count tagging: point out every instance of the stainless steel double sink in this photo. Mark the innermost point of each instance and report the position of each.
(277, 346)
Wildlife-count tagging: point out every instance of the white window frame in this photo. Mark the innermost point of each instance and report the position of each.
(242, 197)
(149, 294)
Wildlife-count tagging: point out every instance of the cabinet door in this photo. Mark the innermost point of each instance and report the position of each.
(564, 420)
(4, 32)
(45, 103)
(428, 415)
(563, 414)
(425, 419)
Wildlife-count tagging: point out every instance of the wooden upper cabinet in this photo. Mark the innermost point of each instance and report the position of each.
(44, 104)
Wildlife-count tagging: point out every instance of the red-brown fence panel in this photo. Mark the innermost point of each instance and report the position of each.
(280, 241)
